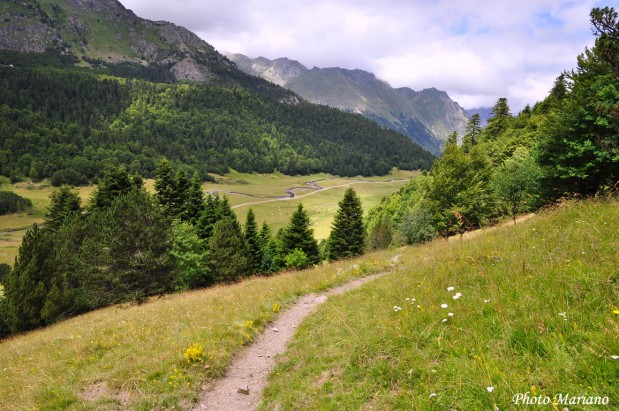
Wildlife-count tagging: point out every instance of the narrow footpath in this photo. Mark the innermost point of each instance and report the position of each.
(242, 386)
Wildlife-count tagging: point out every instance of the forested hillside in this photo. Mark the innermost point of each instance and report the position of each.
(566, 145)
(86, 85)
(69, 125)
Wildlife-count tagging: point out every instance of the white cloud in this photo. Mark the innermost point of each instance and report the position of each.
(477, 50)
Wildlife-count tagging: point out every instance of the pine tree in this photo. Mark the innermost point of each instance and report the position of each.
(116, 182)
(347, 238)
(181, 190)
(28, 284)
(472, 132)
(224, 209)
(228, 258)
(194, 204)
(64, 203)
(298, 234)
(265, 235)
(208, 217)
(165, 186)
(500, 120)
(254, 251)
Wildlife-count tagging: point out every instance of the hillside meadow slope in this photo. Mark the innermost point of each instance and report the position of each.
(537, 312)
(469, 324)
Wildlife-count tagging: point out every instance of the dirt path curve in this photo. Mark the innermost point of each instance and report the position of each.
(250, 368)
(288, 198)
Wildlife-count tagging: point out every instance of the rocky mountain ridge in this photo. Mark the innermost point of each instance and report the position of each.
(427, 116)
(105, 32)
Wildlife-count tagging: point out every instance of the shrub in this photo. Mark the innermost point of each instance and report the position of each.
(297, 259)
(13, 203)
(416, 227)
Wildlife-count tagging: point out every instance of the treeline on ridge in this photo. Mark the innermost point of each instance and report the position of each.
(566, 145)
(69, 125)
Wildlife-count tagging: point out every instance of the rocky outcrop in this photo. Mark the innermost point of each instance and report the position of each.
(105, 31)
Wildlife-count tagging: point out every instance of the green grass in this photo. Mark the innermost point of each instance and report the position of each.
(550, 324)
(132, 357)
(321, 206)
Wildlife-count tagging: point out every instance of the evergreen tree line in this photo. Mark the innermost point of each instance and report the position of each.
(126, 245)
(565, 145)
(70, 125)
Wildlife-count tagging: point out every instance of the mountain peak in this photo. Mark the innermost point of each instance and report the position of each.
(105, 32)
(427, 116)
(278, 71)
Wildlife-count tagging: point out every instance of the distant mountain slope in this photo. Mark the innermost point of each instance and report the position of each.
(67, 112)
(427, 116)
(484, 113)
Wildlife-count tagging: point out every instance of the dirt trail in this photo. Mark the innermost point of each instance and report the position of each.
(316, 188)
(250, 368)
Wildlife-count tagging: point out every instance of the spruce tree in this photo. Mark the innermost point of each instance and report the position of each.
(208, 217)
(181, 190)
(472, 132)
(254, 252)
(194, 203)
(165, 186)
(228, 257)
(64, 203)
(347, 238)
(115, 183)
(298, 234)
(27, 285)
(500, 120)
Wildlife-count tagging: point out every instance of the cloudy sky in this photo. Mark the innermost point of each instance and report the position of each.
(476, 50)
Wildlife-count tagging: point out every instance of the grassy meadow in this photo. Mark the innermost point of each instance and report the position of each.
(321, 205)
(468, 324)
(133, 357)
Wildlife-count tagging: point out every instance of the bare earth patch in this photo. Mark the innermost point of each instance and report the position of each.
(242, 385)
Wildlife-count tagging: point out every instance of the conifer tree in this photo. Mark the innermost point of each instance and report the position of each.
(225, 210)
(347, 238)
(228, 256)
(265, 235)
(208, 217)
(181, 190)
(254, 252)
(500, 120)
(116, 182)
(194, 203)
(472, 132)
(298, 234)
(165, 186)
(64, 202)
(27, 285)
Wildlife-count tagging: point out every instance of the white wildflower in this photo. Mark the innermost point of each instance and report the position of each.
(451, 314)
(615, 357)
(433, 395)
(450, 288)
(444, 306)
(489, 389)
(458, 295)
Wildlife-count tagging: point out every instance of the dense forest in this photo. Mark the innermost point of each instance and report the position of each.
(70, 124)
(566, 145)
